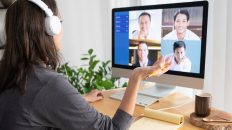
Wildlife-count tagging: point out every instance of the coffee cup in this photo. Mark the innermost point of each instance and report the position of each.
(203, 104)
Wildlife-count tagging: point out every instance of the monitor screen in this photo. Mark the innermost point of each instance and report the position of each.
(142, 34)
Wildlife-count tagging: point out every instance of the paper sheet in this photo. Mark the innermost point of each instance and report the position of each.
(158, 120)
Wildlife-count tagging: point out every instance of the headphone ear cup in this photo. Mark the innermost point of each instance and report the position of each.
(52, 25)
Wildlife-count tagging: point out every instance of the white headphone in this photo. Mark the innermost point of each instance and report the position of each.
(52, 23)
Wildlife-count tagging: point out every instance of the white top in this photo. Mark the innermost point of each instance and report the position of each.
(151, 35)
(189, 35)
(143, 64)
(184, 66)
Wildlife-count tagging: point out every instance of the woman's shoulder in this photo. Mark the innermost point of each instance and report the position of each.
(44, 74)
(51, 80)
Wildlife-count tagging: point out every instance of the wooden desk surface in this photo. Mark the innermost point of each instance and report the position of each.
(185, 107)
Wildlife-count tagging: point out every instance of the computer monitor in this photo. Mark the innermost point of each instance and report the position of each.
(176, 30)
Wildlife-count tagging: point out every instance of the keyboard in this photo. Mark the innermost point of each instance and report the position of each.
(142, 100)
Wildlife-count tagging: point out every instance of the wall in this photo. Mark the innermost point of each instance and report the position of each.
(228, 75)
(87, 24)
(219, 51)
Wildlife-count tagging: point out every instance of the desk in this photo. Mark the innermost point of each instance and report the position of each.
(109, 106)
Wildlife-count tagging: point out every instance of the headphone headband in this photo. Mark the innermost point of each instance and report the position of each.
(52, 23)
(43, 6)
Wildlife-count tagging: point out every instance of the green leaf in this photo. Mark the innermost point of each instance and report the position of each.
(98, 85)
(93, 56)
(85, 58)
(125, 84)
(107, 84)
(90, 51)
(94, 63)
(104, 64)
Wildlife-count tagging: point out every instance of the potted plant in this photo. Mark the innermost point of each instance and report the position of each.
(96, 75)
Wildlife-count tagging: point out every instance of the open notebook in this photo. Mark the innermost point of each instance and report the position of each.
(158, 120)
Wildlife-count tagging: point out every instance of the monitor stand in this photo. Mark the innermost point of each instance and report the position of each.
(158, 90)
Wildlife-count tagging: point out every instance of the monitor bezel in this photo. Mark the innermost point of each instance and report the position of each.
(166, 6)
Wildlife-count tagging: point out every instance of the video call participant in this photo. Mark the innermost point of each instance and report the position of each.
(181, 23)
(33, 96)
(145, 31)
(142, 54)
(180, 62)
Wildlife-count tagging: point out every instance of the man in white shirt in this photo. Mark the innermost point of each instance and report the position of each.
(180, 62)
(181, 22)
(144, 32)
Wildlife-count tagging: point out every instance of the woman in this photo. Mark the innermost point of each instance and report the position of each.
(33, 96)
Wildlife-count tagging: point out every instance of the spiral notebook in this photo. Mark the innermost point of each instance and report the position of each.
(158, 120)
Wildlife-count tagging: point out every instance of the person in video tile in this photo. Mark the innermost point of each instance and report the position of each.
(181, 23)
(180, 62)
(142, 53)
(144, 31)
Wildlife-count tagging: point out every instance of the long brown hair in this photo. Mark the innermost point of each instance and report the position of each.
(27, 44)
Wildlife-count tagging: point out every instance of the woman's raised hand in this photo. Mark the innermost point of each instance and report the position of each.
(158, 68)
